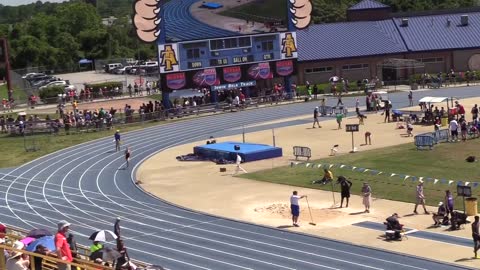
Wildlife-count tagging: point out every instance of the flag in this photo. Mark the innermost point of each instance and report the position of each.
(459, 183)
(406, 176)
(307, 165)
(353, 168)
(475, 184)
(331, 165)
(341, 166)
(450, 182)
(393, 174)
(365, 170)
(421, 178)
(435, 181)
(380, 173)
(319, 165)
(467, 183)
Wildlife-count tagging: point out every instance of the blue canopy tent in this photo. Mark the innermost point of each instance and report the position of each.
(85, 64)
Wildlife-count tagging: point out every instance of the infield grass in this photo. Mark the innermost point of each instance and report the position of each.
(13, 148)
(445, 162)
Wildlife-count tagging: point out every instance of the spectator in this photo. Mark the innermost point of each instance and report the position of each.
(367, 196)
(96, 246)
(449, 203)
(40, 249)
(116, 227)
(117, 140)
(453, 126)
(420, 198)
(327, 177)
(345, 186)
(476, 236)
(124, 258)
(295, 207)
(439, 216)
(315, 117)
(18, 261)
(62, 246)
(73, 245)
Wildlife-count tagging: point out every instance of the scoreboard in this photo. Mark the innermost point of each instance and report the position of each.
(231, 51)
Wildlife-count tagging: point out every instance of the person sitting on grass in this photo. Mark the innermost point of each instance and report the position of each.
(441, 216)
(327, 177)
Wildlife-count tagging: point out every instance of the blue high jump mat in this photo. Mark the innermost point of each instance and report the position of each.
(211, 5)
(248, 151)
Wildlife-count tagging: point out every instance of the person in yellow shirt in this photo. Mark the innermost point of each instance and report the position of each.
(327, 177)
(96, 246)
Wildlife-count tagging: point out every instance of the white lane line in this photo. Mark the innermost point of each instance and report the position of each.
(63, 182)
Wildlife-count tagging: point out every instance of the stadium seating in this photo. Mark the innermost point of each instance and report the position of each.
(181, 25)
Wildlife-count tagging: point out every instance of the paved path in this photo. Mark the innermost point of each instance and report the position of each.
(88, 186)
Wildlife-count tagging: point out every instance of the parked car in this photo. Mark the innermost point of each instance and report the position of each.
(122, 70)
(29, 76)
(43, 81)
(54, 83)
(110, 67)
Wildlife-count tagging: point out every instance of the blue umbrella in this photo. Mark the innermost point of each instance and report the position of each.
(37, 233)
(46, 241)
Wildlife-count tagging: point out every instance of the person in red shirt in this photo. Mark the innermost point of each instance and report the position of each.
(63, 248)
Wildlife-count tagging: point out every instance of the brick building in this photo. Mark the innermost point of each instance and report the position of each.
(356, 49)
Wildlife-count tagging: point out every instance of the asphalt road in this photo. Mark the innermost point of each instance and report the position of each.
(87, 186)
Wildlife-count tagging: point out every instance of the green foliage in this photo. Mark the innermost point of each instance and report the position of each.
(109, 85)
(57, 35)
(50, 94)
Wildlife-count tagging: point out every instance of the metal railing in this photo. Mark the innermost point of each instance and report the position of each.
(48, 262)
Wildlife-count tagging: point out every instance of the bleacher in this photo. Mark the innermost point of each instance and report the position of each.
(50, 262)
(181, 25)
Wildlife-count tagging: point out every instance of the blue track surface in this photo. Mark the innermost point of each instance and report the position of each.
(87, 186)
(421, 234)
(181, 25)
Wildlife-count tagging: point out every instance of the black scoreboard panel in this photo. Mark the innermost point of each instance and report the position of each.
(229, 51)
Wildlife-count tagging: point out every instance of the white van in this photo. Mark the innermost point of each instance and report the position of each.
(110, 67)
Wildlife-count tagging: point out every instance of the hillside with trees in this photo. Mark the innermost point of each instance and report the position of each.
(57, 35)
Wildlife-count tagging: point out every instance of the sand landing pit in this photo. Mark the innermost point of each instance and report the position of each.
(323, 214)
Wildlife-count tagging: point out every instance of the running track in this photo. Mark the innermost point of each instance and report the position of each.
(87, 186)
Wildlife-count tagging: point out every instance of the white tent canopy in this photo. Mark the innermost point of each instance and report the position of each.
(434, 99)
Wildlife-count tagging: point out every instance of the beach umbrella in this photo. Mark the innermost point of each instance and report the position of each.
(334, 79)
(46, 241)
(110, 255)
(103, 236)
(27, 240)
(37, 233)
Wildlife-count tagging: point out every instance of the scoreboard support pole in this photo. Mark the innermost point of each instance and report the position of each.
(291, 27)
(162, 39)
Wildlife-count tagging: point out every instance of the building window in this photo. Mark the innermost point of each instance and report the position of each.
(431, 60)
(230, 43)
(267, 46)
(193, 53)
(245, 42)
(318, 69)
(355, 66)
(217, 44)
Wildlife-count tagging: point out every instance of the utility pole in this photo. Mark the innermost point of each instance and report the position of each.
(5, 59)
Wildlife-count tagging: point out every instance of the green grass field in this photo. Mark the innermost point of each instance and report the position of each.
(445, 162)
(18, 95)
(258, 10)
(14, 152)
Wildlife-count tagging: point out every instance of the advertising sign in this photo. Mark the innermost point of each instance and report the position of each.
(176, 81)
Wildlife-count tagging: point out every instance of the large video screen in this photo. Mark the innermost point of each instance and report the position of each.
(221, 77)
(197, 19)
